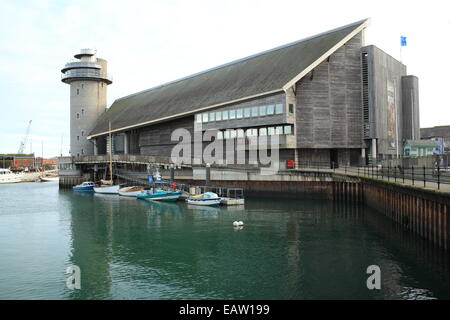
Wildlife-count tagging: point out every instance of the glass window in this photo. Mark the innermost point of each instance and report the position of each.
(262, 110)
(226, 134)
(232, 114)
(253, 132)
(288, 129)
(270, 131)
(240, 133)
(279, 109)
(78, 116)
(225, 115)
(279, 130)
(263, 131)
(239, 113)
(82, 133)
(198, 118)
(254, 111)
(218, 116)
(205, 117)
(247, 112)
(219, 135)
(212, 116)
(270, 109)
(291, 108)
(232, 134)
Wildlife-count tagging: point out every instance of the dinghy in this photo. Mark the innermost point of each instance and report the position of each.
(131, 191)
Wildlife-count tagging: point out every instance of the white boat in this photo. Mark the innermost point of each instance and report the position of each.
(6, 176)
(107, 189)
(49, 179)
(206, 199)
(131, 191)
(232, 201)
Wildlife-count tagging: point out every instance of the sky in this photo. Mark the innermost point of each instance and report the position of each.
(148, 43)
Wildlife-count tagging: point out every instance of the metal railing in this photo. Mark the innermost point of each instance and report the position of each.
(85, 73)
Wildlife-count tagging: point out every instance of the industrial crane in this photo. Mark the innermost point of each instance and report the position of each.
(24, 141)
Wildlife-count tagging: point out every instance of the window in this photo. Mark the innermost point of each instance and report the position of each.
(240, 133)
(279, 109)
(205, 117)
(232, 114)
(226, 134)
(198, 118)
(78, 115)
(270, 131)
(291, 108)
(254, 111)
(78, 91)
(78, 138)
(252, 132)
(82, 151)
(82, 111)
(219, 135)
(288, 129)
(239, 113)
(262, 110)
(82, 86)
(212, 116)
(270, 109)
(247, 112)
(232, 134)
(225, 115)
(279, 130)
(263, 131)
(82, 133)
(218, 116)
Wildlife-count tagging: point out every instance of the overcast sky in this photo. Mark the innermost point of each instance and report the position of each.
(148, 43)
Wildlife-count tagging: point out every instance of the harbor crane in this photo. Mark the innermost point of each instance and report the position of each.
(23, 143)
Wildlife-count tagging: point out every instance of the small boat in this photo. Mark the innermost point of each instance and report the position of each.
(159, 195)
(6, 176)
(107, 189)
(130, 191)
(85, 186)
(206, 199)
(49, 179)
(232, 201)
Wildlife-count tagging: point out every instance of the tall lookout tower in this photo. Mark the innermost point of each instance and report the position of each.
(88, 79)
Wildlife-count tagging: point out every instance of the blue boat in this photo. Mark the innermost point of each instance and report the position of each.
(85, 186)
(160, 195)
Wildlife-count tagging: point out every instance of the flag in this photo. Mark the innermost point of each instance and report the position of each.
(403, 41)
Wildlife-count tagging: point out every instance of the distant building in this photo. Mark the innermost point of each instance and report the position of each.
(441, 134)
(329, 98)
(420, 148)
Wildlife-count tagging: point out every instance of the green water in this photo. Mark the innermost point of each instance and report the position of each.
(133, 249)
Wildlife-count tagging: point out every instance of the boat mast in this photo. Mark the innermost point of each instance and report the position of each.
(110, 154)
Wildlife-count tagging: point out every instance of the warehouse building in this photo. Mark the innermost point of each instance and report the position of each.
(329, 99)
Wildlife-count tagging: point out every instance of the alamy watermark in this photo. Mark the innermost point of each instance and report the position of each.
(229, 147)
(74, 280)
(374, 280)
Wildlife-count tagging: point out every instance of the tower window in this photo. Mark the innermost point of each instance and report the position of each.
(82, 86)
(82, 151)
(78, 115)
(82, 111)
(82, 133)
(78, 138)
(78, 91)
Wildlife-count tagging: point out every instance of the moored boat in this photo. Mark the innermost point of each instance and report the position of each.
(206, 199)
(107, 189)
(85, 186)
(159, 195)
(130, 191)
(6, 176)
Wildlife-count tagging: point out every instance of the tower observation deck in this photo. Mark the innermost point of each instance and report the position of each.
(88, 79)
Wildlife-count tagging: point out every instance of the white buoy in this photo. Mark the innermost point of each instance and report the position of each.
(240, 223)
(236, 224)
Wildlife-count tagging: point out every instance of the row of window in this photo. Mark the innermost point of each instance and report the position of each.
(254, 132)
(240, 113)
(82, 114)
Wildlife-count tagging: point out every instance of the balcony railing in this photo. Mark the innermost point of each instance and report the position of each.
(85, 73)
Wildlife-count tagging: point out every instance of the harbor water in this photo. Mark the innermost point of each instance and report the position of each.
(134, 249)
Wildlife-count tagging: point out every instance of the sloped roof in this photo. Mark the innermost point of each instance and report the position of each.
(260, 74)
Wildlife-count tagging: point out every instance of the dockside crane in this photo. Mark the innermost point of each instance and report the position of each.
(25, 139)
